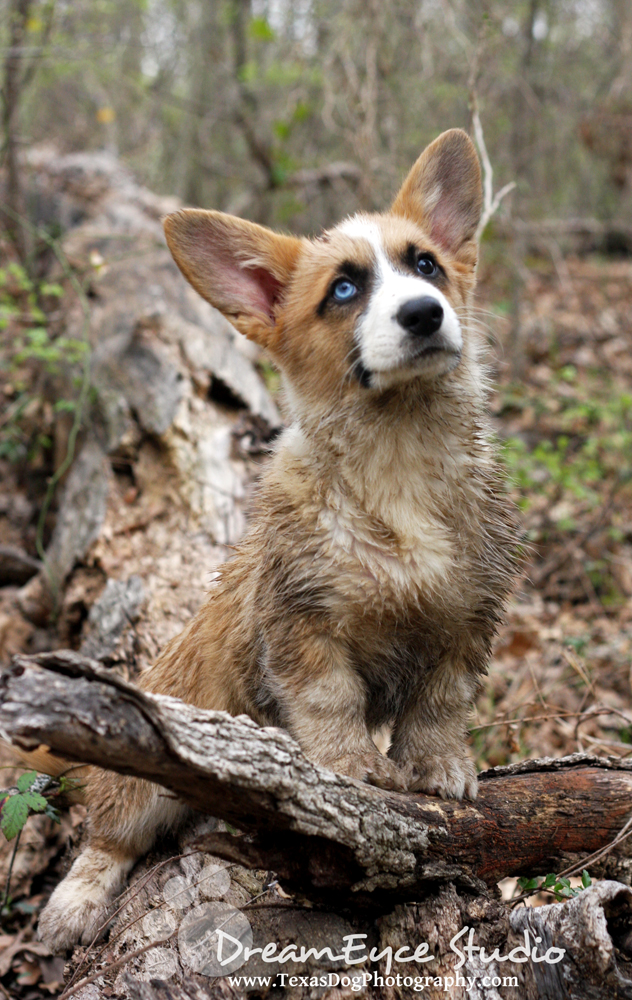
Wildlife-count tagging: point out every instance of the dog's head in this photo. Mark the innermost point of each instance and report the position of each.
(370, 304)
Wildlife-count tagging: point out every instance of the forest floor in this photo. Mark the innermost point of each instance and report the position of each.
(560, 679)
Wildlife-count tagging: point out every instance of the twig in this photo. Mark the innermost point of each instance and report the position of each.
(580, 716)
(7, 889)
(599, 710)
(491, 201)
(111, 967)
(537, 686)
(610, 743)
(577, 667)
(527, 718)
(131, 892)
(31, 70)
(154, 944)
(560, 265)
(623, 834)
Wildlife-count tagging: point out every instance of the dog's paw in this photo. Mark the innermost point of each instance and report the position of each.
(66, 922)
(451, 777)
(374, 768)
(78, 908)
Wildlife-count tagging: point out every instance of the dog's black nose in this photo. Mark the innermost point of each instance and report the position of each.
(421, 317)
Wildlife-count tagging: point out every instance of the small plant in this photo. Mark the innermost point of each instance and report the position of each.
(37, 345)
(32, 793)
(27, 797)
(559, 886)
(31, 352)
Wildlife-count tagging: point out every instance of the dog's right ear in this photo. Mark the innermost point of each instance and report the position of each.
(239, 267)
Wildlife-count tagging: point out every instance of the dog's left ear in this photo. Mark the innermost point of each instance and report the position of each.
(443, 193)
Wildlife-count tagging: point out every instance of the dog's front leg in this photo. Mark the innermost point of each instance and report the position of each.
(124, 816)
(322, 702)
(429, 737)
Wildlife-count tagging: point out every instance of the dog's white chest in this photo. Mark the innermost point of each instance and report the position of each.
(420, 562)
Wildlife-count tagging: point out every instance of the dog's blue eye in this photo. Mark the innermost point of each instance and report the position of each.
(427, 266)
(344, 290)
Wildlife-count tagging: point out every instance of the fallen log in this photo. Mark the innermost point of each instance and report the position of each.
(477, 948)
(323, 833)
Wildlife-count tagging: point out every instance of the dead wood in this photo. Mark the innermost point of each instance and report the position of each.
(171, 382)
(325, 834)
(583, 234)
(399, 869)
(591, 929)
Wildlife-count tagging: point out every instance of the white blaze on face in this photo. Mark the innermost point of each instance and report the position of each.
(383, 342)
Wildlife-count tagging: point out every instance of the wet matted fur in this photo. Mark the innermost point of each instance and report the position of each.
(371, 582)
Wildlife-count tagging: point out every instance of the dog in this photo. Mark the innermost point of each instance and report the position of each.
(382, 547)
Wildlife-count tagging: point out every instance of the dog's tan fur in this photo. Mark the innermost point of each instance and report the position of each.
(370, 584)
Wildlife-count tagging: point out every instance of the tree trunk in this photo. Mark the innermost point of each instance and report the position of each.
(11, 92)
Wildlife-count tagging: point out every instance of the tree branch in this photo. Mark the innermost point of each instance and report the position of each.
(491, 201)
(325, 834)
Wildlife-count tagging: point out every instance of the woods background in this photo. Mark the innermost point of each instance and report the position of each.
(133, 421)
(296, 113)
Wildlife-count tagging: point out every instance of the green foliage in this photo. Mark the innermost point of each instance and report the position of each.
(596, 444)
(167, 71)
(17, 807)
(559, 886)
(553, 463)
(32, 793)
(31, 355)
(260, 30)
(271, 377)
(15, 812)
(37, 345)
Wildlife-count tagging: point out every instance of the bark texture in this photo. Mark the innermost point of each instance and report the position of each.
(356, 860)
(325, 834)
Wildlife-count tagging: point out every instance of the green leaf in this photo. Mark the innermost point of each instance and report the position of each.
(35, 801)
(38, 336)
(56, 290)
(586, 879)
(248, 72)
(25, 780)
(68, 784)
(302, 111)
(260, 30)
(281, 130)
(528, 884)
(549, 881)
(15, 813)
(52, 813)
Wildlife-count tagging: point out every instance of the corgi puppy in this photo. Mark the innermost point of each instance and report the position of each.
(372, 579)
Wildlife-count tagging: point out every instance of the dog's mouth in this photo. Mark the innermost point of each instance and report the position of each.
(422, 351)
(431, 360)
